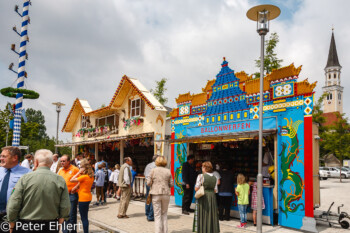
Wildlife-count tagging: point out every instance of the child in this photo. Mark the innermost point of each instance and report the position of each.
(242, 192)
(115, 181)
(255, 201)
(100, 180)
(110, 183)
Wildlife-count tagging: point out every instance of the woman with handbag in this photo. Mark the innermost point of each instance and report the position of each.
(206, 219)
(160, 182)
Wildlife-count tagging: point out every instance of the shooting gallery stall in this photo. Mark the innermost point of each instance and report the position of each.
(221, 125)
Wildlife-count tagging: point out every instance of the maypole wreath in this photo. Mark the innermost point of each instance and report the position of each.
(12, 92)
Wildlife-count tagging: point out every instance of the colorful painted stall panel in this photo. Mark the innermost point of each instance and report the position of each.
(291, 169)
(180, 158)
(180, 151)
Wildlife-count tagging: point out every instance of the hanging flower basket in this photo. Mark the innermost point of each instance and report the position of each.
(132, 121)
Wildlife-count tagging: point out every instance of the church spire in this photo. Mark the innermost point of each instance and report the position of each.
(332, 55)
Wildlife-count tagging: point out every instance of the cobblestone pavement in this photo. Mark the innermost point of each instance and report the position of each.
(106, 216)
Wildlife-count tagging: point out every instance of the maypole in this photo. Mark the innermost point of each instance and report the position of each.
(20, 92)
(21, 72)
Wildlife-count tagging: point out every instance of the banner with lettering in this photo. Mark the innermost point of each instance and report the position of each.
(232, 127)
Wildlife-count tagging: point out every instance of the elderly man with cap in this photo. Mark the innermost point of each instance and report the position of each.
(149, 208)
(40, 201)
(10, 172)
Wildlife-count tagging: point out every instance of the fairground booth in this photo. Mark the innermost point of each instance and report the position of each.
(221, 125)
(128, 126)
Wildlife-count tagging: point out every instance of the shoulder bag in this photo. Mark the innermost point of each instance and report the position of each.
(149, 197)
(200, 191)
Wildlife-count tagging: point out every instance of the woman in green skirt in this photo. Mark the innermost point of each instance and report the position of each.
(206, 219)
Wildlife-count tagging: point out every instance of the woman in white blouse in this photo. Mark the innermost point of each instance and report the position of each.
(206, 219)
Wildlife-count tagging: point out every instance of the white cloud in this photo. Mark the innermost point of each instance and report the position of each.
(83, 48)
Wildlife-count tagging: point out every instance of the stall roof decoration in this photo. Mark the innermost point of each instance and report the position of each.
(305, 87)
(217, 90)
(184, 98)
(243, 76)
(209, 85)
(124, 87)
(199, 99)
(227, 96)
(78, 105)
(174, 112)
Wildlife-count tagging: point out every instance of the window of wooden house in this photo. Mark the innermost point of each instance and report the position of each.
(135, 109)
(110, 120)
(85, 121)
(101, 121)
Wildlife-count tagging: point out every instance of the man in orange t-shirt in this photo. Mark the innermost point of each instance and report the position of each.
(67, 172)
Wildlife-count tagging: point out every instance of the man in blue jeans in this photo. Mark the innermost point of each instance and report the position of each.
(149, 208)
(67, 172)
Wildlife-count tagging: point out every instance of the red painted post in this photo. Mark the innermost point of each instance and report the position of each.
(308, 167)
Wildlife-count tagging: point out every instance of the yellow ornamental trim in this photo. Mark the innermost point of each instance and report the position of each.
(283, 105)
(184, 121)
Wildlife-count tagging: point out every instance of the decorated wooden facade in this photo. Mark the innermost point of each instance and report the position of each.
(228, 108)
(133, 113)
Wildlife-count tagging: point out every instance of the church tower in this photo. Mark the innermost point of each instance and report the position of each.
(333, 101)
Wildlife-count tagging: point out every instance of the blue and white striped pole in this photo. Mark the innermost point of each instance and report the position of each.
(21, 72)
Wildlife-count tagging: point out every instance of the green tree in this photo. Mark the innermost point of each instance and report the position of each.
(5, 117)
(160, 91)
(337, 139)
(271, 61)
(33, 132)
(37, 117)
(317, 115)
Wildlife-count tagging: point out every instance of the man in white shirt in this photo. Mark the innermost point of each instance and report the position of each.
(149, 208)
(54, 164)
(124, 183)
(78, 160)
(28, 161)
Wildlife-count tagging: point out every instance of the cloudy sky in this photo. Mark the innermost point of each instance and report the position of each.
(83, 48)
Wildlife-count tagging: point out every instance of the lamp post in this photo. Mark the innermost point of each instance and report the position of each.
(7, 129)
(261, 14)
(58, 110)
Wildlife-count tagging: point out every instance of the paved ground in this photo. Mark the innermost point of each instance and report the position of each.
(106, 216)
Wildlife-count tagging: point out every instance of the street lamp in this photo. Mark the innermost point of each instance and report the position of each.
(261, 14)
(58, 110)
(7, 129)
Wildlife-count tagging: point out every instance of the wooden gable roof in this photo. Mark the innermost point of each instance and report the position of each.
(77, 107)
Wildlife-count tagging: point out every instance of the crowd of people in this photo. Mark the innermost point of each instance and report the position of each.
(215, 204)
(49, 190)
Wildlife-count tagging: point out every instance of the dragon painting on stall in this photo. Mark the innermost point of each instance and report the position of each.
(288, 155)
(181, 153)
